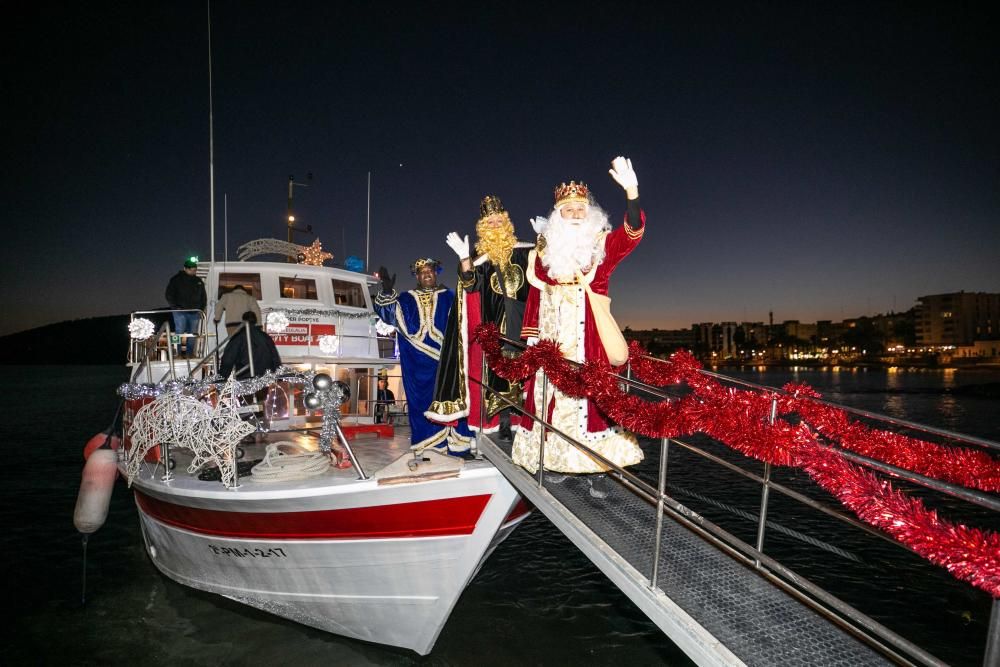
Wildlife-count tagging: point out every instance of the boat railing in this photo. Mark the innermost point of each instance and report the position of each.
(388, 410)
(160, 346)
(753, 555)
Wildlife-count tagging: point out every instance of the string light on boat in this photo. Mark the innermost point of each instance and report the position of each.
(314, 254)
(277, 322)
(140, 328)
(329, 344)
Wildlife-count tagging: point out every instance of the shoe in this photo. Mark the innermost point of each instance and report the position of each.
(555, 477)
(505, 433)
(598, 486)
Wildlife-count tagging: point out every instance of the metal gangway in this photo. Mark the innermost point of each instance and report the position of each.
(725, 600)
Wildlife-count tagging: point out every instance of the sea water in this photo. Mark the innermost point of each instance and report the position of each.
(536, 601)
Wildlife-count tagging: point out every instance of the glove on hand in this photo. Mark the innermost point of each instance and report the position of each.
(621, 170)
(539, 224)
(532, 341)
(387, 280)
(458, 244)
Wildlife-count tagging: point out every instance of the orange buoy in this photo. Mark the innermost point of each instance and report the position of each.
(97, 441)
(96, 485)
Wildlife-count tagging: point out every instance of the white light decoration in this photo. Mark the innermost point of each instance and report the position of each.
(383, 329)
(277, 322)
(140, 328)
(329, 344)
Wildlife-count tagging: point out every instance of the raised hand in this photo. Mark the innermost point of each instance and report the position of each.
(458, 244)
(622, 171)
(539, 224)
(387, 281)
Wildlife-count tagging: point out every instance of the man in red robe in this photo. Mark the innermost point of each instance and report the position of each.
(576, 248)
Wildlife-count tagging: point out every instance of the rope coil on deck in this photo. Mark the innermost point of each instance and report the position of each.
(279, 466)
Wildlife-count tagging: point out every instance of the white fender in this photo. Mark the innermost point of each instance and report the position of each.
(96, 485)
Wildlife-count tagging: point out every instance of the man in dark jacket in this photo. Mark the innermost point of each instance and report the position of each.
(262, 351)
(187, 298)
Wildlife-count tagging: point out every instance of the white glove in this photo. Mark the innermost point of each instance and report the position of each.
(621, 170)
(532, 341)
(539, 224)
(458, 244)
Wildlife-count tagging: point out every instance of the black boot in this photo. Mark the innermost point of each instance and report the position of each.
(505, 433)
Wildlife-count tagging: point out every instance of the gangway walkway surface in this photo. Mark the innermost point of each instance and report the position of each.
(715, 608)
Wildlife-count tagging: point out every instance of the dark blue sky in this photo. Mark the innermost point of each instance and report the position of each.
(819, 160)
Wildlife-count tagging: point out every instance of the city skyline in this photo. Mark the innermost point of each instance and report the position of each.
(816, 162)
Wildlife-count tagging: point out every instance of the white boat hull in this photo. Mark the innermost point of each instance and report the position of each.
(384, 564)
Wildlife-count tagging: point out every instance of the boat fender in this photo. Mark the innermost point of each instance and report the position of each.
(96, 485)
(98, 441)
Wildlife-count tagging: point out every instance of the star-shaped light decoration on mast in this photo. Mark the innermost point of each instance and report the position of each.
(315, 255)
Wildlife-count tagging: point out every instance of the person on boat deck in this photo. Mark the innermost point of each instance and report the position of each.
(187, 298)
(234, 303)
(576, 254)
(239, 352)
(419, 317)
(383, 399)
(493, 289)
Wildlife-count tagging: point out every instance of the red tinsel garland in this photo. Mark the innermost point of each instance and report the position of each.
(741, 420)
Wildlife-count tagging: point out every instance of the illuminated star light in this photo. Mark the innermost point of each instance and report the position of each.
(315, 254)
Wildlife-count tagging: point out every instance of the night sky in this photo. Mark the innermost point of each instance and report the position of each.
(817, 160)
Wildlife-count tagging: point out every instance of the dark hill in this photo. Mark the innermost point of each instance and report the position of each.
(95, 340)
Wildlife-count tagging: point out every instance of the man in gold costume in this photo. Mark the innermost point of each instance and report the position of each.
(492, 288)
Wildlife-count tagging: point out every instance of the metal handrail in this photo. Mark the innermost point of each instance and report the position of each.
(787, 579)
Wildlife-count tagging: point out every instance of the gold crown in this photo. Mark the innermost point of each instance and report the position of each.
(425, 261)
(572, 192)
(490, 205)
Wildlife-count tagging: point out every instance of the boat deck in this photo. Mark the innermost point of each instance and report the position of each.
(716, 609)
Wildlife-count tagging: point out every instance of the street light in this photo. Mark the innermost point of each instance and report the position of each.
(291, 215)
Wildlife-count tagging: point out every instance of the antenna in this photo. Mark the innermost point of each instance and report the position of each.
(368, 224)
(211, 145)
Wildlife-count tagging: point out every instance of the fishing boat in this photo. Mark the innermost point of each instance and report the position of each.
(235, 496)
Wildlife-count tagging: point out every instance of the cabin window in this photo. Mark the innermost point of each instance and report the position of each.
(250, 282)
(297, 288)
(347, 293)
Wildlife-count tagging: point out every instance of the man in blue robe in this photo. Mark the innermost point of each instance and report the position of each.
(420, 316)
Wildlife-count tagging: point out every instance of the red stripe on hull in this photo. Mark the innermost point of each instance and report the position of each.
(429, 518)
(520, 509)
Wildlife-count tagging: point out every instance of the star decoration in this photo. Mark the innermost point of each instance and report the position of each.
(315, 254)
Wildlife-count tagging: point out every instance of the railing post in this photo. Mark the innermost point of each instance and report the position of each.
(482, 409)
(165, 459)
(765, 489)
(661, 487)
(541, 437)
(992, 656)
(236, 467)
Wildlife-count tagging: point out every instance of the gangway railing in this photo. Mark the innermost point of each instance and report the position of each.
(869, 630)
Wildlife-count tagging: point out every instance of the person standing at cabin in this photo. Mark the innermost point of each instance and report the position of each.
(384, 398)
(493, 289)
(419, 316)
(186, 293)
(234, 303)
(576, 254)
(238, 353)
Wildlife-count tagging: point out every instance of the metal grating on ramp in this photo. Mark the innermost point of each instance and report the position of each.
(759, 623)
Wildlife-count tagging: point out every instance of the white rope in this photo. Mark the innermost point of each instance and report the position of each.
(278, 466)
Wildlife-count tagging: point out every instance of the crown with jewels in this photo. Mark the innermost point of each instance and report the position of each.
(425, 261)
(572, 192)
(490, 205)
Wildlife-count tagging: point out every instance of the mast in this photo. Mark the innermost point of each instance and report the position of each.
(368, 224)
(211, 145)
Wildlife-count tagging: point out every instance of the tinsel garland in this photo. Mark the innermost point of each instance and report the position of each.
(741, 420)
(201, 388)
(325, 312)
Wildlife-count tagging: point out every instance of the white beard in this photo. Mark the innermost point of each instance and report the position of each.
(574, 245)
